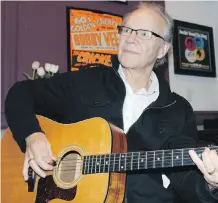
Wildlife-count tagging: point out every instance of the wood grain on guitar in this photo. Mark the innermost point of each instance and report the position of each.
(73, 179)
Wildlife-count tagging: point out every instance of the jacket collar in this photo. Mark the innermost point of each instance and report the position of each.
(165, 97)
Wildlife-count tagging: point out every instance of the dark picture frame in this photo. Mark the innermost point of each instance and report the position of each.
(193, 49)
(119, 1)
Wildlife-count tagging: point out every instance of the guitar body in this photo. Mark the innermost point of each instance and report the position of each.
(66, 183)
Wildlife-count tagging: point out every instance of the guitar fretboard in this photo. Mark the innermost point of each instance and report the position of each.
(132, 161)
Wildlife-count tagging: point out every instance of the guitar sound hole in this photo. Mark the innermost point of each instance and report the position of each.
(70, 166)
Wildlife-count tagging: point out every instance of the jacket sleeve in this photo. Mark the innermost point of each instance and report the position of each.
(27, 98)
(190, 185)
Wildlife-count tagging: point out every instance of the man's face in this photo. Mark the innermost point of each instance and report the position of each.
(140, 53)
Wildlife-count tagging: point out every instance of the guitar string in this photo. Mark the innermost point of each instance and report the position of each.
(119, 169)
(185, 151)
(149, 164)
(137, 159)
(118, 157)
(186, 159)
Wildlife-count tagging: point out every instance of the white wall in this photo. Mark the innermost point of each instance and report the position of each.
(2, 133)
(201, 92)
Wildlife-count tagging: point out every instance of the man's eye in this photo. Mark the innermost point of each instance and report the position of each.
(144, 34)
(126, 30)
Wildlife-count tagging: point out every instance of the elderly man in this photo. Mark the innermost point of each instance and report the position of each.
(131, 96)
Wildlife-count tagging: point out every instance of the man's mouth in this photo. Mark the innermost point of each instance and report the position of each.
(130, 51)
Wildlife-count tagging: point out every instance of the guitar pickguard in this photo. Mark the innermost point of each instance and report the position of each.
(48, 190)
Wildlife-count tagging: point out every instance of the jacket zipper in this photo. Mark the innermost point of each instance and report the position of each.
(162, 107)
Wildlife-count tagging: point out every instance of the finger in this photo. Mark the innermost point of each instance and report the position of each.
(51, 153)
(206, 160)
(214, 158)
(43, 162)
(25, 167)
(199, 163)
(36, 168)
(41, 156)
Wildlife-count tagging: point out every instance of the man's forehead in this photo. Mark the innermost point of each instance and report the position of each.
(145, 19)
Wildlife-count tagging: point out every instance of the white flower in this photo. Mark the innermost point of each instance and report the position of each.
(47, 67)
(54, 68)
(35, 65)
(41, 71)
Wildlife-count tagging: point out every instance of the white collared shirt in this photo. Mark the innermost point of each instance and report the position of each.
(136, 103)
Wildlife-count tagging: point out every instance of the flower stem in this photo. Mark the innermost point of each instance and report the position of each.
(34, 72)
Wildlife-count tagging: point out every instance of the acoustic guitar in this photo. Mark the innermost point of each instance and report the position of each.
(92, 159)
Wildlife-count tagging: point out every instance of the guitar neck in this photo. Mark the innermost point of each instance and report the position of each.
(133, 161)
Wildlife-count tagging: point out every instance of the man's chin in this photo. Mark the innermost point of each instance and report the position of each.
(130, 61)
(129, 65)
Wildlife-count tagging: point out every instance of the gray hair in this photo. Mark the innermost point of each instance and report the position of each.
(168, 31)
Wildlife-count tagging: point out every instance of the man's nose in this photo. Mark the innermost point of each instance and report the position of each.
(132, 37)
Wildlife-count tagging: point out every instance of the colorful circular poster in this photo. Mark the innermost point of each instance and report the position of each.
(199, 54)
(199, 42)
(190, 56)
(190, 43)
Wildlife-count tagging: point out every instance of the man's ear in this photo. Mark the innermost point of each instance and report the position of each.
(163, 50)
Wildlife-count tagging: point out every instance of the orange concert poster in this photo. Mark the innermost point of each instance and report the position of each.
(92, 37)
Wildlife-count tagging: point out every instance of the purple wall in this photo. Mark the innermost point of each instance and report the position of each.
(37, 31)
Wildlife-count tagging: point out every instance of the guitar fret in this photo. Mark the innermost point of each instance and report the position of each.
(128, 161)
(114, 162)
(119, 161)
(146, 160)
(138, 159)
(92, 164)
(85, 165)
(99, 168)
(110, 167)
(95, 162)
(109, 163)
(98, 160)
(104, 164)
(177, 157)
(125, 163)
(167, 158)
(150, 159)
(101, 164)
(182, 157)
(84, 168)
(122, 162)
(172, 157)
(158, 159)
(187, 161)
(154, 160)
(135, 161)
(162, 164)
(88, 163)
(131, 159)
(142, 160)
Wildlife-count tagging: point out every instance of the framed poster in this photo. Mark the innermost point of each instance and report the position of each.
(92, 37)
(193, 48)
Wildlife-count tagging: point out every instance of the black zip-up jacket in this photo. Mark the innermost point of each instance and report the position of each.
(169, 122)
